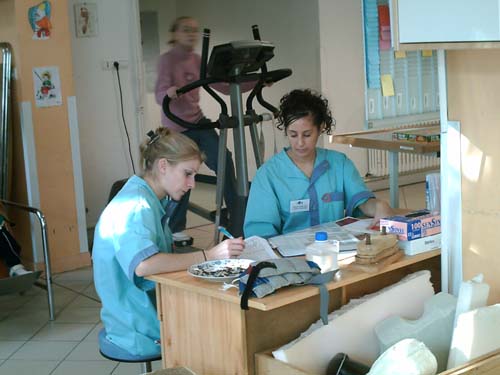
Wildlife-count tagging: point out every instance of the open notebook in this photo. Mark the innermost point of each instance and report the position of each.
(295, 243)
(257, 248)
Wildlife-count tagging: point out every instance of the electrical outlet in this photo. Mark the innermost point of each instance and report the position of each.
(109, 64)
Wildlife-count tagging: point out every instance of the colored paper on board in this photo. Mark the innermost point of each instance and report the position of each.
(427, 53)
(399, 54)
(387, 85)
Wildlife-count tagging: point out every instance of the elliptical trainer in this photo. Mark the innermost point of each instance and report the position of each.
(234, 62)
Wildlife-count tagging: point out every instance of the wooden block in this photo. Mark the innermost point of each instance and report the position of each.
(377, 267)
(378, 244)
(360, 259)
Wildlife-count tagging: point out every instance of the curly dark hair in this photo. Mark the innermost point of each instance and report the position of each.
(301, 103)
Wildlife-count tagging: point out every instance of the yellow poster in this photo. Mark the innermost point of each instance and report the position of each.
(387, 85)
(427, 53)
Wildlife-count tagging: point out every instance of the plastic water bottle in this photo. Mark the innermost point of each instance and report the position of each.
(323, 252)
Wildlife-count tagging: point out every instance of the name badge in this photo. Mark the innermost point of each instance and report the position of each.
(301, 205)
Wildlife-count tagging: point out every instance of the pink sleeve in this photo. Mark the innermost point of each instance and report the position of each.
(164, 79)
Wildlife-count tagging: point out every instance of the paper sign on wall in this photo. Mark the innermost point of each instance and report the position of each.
(86, 19)
(39, 19)
(47, 86)
(427, 53)
(387, 85)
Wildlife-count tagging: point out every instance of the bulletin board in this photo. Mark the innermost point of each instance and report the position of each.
(400, 85)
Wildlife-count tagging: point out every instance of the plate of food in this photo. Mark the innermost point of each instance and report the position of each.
(222, 270)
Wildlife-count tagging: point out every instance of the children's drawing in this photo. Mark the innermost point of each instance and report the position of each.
(39, 18)
(47, 86)
(86, 19)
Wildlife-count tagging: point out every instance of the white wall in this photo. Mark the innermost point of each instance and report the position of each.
(104, 149)
(292, 25)
(342, 70)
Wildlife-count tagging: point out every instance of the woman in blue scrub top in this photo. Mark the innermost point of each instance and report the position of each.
(305, 185)
(132, 240)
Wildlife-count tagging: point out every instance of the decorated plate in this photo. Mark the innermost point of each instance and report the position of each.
(219, 270)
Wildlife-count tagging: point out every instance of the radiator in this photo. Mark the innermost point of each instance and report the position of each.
(378, 160)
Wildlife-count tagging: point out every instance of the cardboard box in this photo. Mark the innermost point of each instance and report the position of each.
(413, 225)
(421, 245)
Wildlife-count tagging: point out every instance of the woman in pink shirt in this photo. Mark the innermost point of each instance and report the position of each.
(176, 68)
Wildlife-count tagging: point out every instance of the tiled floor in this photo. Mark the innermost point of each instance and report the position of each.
(31, 344)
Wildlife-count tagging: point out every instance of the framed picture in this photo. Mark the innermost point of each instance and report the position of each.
(86, 19)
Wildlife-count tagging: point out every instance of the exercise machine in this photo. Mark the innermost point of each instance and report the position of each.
(234, 63)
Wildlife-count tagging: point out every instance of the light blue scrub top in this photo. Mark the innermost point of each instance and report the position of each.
(334, 191)
(131, 228)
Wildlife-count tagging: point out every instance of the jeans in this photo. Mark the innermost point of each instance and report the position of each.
(208, 142)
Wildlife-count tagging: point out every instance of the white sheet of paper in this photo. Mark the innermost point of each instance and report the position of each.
(257, 248)
(295, 243)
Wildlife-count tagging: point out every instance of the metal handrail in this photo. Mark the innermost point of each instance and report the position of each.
(5, 116)
(46, 253)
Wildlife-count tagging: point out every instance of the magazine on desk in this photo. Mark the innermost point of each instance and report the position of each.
(295, 243)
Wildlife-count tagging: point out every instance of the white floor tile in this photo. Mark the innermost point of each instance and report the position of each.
(45, 350)
(27, 367)
(12, 302)
(93, 335)
(84, 368)
(11, 331)
(55, 331)
(28, 315)
(7, 348)
(90, 292)
(86, 351)
(82, 274)
(83, 301)
(80, 315)
(62, 297)
(73, 285)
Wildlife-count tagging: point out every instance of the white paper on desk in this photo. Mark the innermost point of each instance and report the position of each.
(257, 248)
(295, 243)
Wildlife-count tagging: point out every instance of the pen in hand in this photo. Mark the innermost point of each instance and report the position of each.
(225, 232)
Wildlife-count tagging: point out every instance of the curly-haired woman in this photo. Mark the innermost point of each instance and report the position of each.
(305, 185)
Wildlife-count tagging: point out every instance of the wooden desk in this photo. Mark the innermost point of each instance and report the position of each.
(381, 139)
(204, 329)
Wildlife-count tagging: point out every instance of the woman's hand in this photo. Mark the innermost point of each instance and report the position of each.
(172, 92)
(382, 210)
(231, 248)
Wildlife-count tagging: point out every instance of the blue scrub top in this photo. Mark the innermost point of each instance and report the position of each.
(133, 227)
(283, 199)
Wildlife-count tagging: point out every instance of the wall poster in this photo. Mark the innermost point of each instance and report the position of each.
(86, 19)
(39, 19)
(47, 86)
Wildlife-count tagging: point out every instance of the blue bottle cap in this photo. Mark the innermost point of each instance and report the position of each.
(321, 236)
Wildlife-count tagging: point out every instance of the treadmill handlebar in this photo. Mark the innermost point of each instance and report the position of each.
(268, 77)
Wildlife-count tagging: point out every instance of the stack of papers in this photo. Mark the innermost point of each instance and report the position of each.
(295, 243)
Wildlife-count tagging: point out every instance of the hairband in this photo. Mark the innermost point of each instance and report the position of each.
(153, 137)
